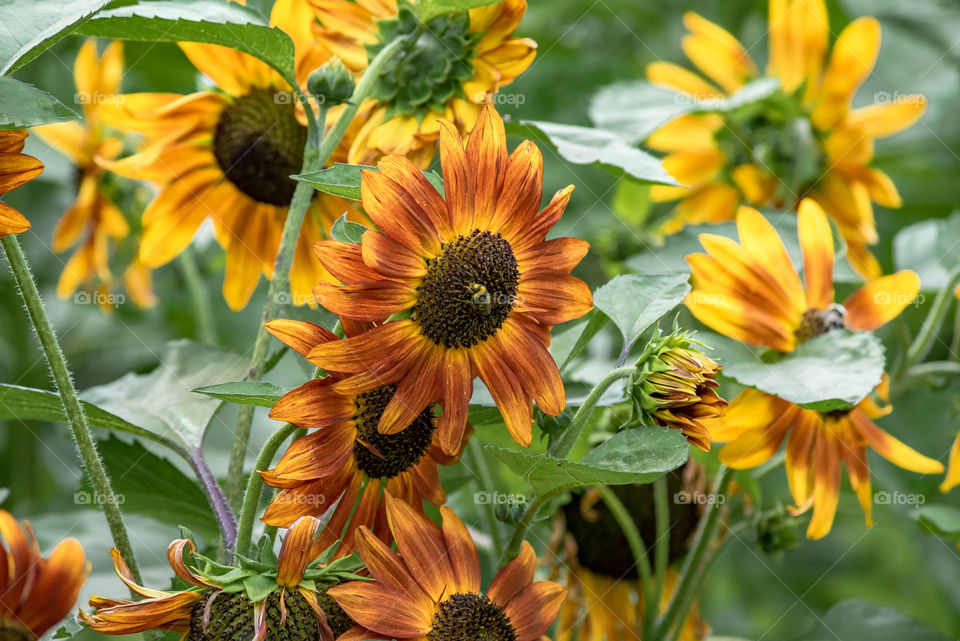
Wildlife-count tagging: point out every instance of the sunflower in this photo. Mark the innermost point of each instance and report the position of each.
(228, 155)
(218, 604)
(431, 589)
(36, 592)
(455, 67)
(93, 215)
(746, 156)
(751, 292)
(590, 555)
(347, 457)
(480, 284)
(16, 168)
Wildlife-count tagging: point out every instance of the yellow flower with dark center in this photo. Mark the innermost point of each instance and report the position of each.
(36, 592)
(449, 73)
(431, 589)
(93, 219)
(590, 555)
(752, 292)
(16, 168)
(218, 608)
(347, 458)
(807, 141)
(228, 155)
(480, 283)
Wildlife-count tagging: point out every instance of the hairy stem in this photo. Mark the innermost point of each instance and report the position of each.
(920, 347)
(484, 483)
(562, 446)
(661, 549)
(218, 502)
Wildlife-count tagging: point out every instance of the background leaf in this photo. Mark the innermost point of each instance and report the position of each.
(428, 9)
(857, 620)
(30, 27)
(635, 302)
(930, 249)
(259, 393)
(23, 105)
(344, 180)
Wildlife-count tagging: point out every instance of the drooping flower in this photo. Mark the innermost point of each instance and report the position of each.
(431, 589)
(227, 156)
(751, 292)
(347, 459)
(93, 220)
(481, 284)
(590, 555)
(36, 592)
(16, 168)
(449, 72)
(806, 141)
(289, 603)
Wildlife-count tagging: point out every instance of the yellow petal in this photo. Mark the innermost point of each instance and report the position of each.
(673, 76)
(816, 244)
(717, 53)
(886, 119)
(757, 184)
(690, 132)
(881, 300)
(852, 60)
(952, 479)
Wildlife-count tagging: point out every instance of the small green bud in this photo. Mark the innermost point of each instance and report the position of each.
(331, 83)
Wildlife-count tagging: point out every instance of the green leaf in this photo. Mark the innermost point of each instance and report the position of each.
(939, 520)
(589, 146)
(929, 248)
(429, 9)
(23, 105)
(259, 587)
(635, 302)
(151, 485)
(346, 231)
(857, 620)
(163, 401)
(26, 403)
(833, 371)
(569, 339)
(635, 109)
(258, 393)
(30, 27)
(639, 455)
(210, 21)
(344, 180)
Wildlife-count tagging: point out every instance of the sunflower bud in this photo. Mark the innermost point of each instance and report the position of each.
(675, 386)
(331, 84)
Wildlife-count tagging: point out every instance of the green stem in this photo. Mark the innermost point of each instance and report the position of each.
(206, 330)
(639, 550)
(563, 445)
(251, 499)
(86, 446)
(920, 347)
(703, 539)
(955, 339)
(513, 547)
(661, 554)
(484, 483)
(317, 151)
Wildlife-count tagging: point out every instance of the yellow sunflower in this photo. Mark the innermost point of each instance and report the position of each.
(347, 457)
(227, 155)
(452, 70)
(218, 605)
(431, 589)
(93, 219)
(751, 292)
(16, 168)
(481, 286)
(36, 592)
(807, 143)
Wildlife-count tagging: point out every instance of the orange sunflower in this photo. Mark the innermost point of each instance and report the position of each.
(218, 605)
(739, 156)
(228, 155)
(751, 292)
(16, 168)
(455, 67)
(36, 592)
(478, 281)
(347, 457)
(431, 589)
(93, 215)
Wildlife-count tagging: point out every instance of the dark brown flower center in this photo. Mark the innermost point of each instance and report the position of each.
(338, 620)
(471, 617)
(231, 618)
(601, 546)
(820, 321)
(259, 144)
(468, 291)
(384, 456)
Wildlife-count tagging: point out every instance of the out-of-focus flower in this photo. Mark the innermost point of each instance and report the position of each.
(16, 168)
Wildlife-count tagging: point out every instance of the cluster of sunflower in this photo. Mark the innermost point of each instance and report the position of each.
(449, 286)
